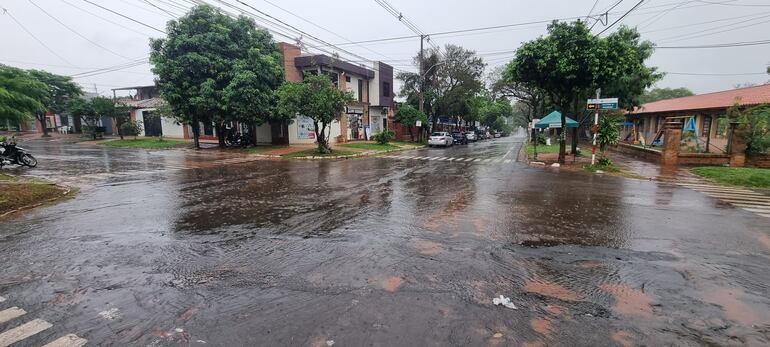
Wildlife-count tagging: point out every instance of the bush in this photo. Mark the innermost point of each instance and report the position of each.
(604, 161)
(3, 138)
(131, 128)
(384, 137)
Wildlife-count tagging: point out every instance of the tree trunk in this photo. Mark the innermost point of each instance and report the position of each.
(117, 126)
(411, 136)
(221, 134)
(562, 136)
(41, 119)
(196, 130)
(323, 146)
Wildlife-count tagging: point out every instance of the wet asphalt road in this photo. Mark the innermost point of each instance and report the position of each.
(167, 248)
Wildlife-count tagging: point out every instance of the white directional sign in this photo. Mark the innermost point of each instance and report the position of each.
(603, 101)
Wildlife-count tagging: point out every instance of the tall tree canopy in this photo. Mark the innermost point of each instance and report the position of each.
(21, 95)
(408, 115)
(656, 94)
(61, 89)
(213, 68)
(569, 62)
(452, 79)
(317, 98)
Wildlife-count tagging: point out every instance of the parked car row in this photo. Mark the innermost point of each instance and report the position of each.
(446, 139)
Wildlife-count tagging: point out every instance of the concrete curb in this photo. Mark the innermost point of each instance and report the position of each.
(351, 156)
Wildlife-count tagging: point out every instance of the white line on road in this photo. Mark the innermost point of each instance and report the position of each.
(23, 331)
(11, 313)
(450, 159)
(433, 158)
(69, 340)
(487, 160)
(739, 197)
(726, 190)
(477, 159)
(757, 210)
(741, 201)
(2, 299)
(507, 161)
(764, 215)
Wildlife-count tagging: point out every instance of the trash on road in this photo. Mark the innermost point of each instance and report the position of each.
(110, 314)
(505, 302)
(555, 165)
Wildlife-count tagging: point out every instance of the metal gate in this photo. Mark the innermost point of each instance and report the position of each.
(152, 126)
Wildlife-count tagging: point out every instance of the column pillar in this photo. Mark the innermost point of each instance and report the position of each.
(737, 145)
(671, 142)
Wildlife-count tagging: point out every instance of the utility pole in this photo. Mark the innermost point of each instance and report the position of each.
(422, 76)
(596, 125)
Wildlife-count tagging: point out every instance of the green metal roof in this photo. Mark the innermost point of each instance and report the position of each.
(555, 118)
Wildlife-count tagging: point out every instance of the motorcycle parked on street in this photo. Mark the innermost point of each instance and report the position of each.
(12, 154)
(237, 139)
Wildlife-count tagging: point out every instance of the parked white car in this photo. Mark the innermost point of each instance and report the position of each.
(440, 139)
(471, 136)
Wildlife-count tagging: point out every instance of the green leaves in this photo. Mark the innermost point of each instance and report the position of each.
(214, 68)
(21, 94)
(408, 115)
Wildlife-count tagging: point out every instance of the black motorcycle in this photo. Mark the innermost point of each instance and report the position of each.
(236, 139)
(12, 154)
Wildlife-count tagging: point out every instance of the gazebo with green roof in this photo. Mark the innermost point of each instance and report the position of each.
(553, 120)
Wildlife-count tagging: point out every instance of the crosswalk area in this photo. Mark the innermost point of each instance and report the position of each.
(20, 328)
(499, 160)
(745, 199)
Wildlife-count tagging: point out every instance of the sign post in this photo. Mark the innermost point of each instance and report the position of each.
(596, 124)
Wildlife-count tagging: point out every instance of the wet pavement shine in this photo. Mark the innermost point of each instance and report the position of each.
(168, 248)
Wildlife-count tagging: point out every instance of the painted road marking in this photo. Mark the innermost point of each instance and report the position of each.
(507, 161)
(764, 215)
(477, 159)
(433, 158)
(2, 299)
(757, 210)
(753, 203)
(744, 204)
(11, 313)
(723, 190)
(69, 340)
(23, 331)
(739, 197)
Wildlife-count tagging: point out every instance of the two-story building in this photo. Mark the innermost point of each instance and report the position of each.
(370, 113)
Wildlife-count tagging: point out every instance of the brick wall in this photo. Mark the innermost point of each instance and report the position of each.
(708, 159)
(289, 51)
(758, 160)
(644, 153)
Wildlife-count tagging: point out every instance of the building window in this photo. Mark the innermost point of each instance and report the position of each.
(347, 79)
(386, 89)
(360, 90)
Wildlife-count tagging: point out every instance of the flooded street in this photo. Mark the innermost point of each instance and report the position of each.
(167, 248)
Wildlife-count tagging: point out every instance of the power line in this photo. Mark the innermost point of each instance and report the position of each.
(126, 17)
(77, 33)
(716, 74)
(605, 13)
(322, 28)
(719, 45)
(707, 33)
(6, 12)
(160, 8)
(621, 17)
(104, 19)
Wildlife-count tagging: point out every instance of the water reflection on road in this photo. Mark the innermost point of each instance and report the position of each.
(381, 251)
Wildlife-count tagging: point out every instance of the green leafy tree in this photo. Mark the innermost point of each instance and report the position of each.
(755, 123)
(608, 133)
(570, 62)
(451, 79)
(408, 115)
(21, 95)
(106, 107)
(84, 110)
(61, 89)
(213, 68)
(317, 98)
(656, 94)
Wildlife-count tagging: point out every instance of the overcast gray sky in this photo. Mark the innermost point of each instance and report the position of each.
(96, 38)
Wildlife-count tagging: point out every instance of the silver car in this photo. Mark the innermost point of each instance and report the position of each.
(471, 136)
(440, 139)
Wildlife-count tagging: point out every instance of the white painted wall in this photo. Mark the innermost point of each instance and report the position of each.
(374, 86)
(169, 126)
(264, 134)
(140, 119)
(294, 138)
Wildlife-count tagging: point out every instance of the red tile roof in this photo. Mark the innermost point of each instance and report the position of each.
(744, 96)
